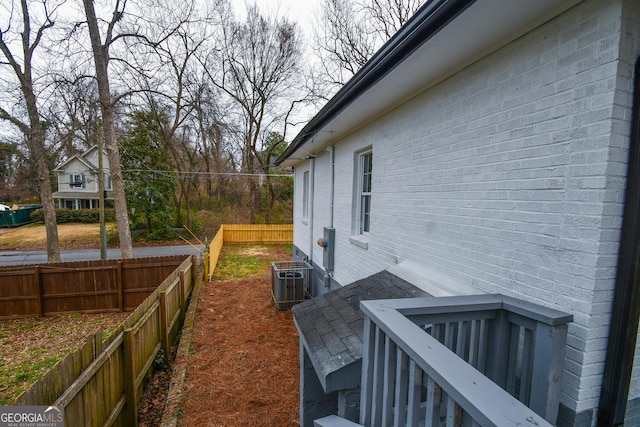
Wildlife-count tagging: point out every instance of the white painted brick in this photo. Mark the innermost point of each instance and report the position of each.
(508, 177)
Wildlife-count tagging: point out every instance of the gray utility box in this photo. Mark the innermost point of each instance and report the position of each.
(290, 283)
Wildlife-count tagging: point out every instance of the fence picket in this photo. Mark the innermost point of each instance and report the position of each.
(81, 287)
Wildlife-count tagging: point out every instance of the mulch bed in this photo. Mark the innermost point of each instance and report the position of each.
(243, 366)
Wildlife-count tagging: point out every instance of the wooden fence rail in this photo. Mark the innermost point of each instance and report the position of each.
(268, 234)
(81, 287)
(101, 383)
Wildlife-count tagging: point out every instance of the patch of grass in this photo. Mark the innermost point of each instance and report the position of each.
(19, 377)
(30, 347)
(238, 266)
(33, 236)
(241, 261)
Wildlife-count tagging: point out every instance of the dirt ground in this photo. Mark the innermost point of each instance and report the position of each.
(243, 368)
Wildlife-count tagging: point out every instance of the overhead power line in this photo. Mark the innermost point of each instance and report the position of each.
(182, 173)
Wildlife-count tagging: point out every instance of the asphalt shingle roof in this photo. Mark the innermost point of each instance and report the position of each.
(331, 325)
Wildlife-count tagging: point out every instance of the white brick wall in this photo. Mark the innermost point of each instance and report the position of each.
(508, 176)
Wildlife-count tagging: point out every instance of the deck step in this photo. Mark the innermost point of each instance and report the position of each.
(334, 421)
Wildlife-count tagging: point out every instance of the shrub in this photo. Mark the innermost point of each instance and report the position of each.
(87, 216)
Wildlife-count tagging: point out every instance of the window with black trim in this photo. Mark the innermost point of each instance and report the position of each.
(76, 180)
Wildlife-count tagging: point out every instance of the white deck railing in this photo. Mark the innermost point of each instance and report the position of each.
(485, 360)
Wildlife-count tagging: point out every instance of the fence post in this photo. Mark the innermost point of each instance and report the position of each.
(183, 299)
(194, 271)
(130, 378)
(206, 264)
(164, 338)
(38, 279)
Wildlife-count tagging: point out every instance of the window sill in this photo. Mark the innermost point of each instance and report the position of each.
(305, 221)
(360, 241)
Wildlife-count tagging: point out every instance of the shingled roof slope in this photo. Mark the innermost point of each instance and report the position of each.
(331, 326)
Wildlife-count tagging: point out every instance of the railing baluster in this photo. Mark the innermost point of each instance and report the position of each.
(415, 391)
(378, 379)
(390, 350)
(482, 346)
(437, 329)
(402, 364)
(527, 367)
(432, 417)
(402, 385)
(449, 336)
(451, 412)
(474, 335)
(366, 392)
(461, 342)
(512, 366)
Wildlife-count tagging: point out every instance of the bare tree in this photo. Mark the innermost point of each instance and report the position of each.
(101, 58)
(19, 56)
(170, 91)
(260, 60)
(75, 116)
(212, 144)
(349, 32)
(387, 16)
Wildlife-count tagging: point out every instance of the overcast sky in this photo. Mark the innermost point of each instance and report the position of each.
(300, 11)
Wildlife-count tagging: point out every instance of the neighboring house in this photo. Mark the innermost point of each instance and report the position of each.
(486, 148)
(78, 181)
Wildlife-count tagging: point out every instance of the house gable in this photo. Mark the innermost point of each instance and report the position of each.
(78, 180)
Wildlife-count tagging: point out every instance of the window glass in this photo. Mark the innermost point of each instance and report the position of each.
(305, 196)
(366, 173)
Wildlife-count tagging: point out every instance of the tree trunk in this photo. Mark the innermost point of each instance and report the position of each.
(37, 149)
(34, 132)
(101, 59)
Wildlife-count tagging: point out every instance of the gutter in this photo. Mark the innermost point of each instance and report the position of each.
(427, 21)
(625, 312)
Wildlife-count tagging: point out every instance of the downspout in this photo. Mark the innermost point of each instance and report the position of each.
(332, 182)
(312, 172)
(328, 266)
(625, 312)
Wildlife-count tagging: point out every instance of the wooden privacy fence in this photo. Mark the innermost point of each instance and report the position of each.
(268, 234)
(101, 383)
(81, 287)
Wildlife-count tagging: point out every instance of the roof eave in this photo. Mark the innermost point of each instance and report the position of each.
(429, 19)
(456, 33)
